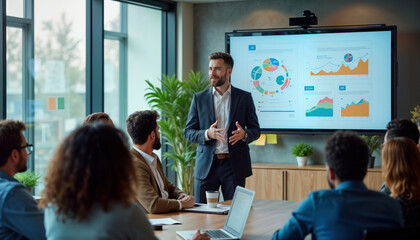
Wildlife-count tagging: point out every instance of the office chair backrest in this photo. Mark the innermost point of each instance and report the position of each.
(401, 233)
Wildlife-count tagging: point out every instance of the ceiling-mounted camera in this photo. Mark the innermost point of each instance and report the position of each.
(306, 21)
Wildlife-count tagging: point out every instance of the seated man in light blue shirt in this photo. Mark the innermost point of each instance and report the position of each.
(20, 217)
(349, 208)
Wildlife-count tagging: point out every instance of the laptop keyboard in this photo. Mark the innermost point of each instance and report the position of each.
(216, 233)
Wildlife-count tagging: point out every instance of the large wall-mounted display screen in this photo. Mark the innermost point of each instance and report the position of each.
(317, 79)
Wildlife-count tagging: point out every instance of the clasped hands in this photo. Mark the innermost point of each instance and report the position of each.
(218, 134)
(187, 201)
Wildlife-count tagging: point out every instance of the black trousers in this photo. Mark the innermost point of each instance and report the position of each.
(220, 175)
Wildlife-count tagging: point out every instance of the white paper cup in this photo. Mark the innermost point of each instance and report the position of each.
(212, 198)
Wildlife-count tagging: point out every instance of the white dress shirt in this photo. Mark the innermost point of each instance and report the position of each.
(221, 111)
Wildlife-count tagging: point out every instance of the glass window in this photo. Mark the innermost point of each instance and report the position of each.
(14, 8)
(112, 80)
(133, 54)
(14, 98)
(138, 52)
(144, 44)
(112, 19)
(59, 73)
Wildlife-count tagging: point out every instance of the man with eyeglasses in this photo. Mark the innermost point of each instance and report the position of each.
(20, 217)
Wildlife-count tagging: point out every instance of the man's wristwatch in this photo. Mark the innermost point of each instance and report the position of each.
(246, 136)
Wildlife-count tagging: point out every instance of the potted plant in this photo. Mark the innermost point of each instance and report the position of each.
(28, 179)
(416, 115)
(373, 145)
(302, 151)
(173, 100)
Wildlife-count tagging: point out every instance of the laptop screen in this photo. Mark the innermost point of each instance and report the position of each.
(239, 211)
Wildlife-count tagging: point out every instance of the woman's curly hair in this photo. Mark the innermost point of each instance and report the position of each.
(91, 165)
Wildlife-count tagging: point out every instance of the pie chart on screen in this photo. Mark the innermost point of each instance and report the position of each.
(270, 64)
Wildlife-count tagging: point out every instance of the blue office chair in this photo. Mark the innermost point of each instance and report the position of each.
(401, 233)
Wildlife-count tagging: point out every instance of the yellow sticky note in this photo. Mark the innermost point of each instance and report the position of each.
(261, 140)
(271, 138)
(253, 143)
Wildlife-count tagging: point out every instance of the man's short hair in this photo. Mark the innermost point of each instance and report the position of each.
(140, 124)
(402, 128)
(347, 154)
(222, 55)
(10, 138)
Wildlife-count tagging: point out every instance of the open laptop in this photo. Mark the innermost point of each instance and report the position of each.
(236, 219)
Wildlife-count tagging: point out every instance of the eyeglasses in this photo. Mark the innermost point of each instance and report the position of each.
(29, 148)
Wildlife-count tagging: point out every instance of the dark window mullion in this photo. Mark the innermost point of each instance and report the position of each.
(94, 56)
(3, 50)
(123, 66)
(28, 78)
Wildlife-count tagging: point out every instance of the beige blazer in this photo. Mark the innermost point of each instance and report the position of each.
(148, 193)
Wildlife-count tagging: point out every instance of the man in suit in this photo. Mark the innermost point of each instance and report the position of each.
(222, 121)
(155, 193)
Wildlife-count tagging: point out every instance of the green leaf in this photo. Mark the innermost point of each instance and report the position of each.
(372, 142)
(28, 178)
(302, 150)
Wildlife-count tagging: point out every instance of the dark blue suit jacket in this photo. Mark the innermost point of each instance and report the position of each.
(200, 118)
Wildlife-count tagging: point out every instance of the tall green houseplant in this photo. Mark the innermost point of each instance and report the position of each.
(173, 101)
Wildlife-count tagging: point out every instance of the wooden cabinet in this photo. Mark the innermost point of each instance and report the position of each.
(289, 182)
(267, 183)
(299, 183)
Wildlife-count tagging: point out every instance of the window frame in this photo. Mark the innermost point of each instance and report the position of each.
(26, 24)
(94, 57)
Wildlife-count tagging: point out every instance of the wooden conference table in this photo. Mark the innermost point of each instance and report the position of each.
(265, 218)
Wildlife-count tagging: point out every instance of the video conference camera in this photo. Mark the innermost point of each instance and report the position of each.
(306, 21)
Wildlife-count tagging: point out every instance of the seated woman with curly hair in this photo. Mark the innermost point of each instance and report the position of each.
(401, 169)
(90, 188)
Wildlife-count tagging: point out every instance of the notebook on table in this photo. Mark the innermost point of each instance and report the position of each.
(235, 221)
(202, 208)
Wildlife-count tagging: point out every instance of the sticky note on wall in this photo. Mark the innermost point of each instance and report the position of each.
(261, 140)
(52, 103)
(271, 138)
(55, 103)
(60, 103)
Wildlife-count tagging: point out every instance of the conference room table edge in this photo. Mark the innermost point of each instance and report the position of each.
(265, 217)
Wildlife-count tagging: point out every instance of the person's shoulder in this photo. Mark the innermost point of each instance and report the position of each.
(380, 195)
(239, 91)
(6, 185)
(203, 92)
(11, 188)
(137, 157)
(17, 196)
(323, 193)
(128, 211)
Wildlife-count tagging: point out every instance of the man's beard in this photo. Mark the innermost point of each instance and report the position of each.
(156, 144)
(219, 82)
(22, 167)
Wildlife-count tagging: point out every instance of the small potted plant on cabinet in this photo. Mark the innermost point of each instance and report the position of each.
(373, 145)
(302, 151)
(28, 179)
